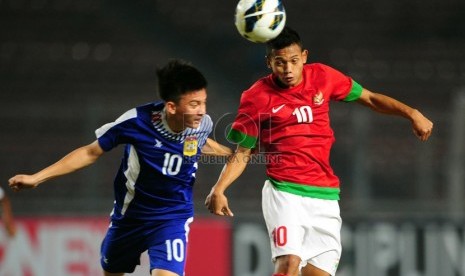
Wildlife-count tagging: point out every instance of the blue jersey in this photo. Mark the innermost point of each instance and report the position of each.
(157, 173)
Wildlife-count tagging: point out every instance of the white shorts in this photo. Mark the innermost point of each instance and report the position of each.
(303, 226)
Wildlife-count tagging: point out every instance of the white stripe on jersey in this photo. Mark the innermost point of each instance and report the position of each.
(2, 193)
(132, 173)
(187, 228)
(132, 113)
(196, 166)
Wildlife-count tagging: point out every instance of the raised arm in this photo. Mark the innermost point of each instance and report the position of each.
(216, 201)
(213, 148)
(75, 160)
(422, 126)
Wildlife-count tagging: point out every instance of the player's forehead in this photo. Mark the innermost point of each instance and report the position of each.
(196, 95)
(287, 53)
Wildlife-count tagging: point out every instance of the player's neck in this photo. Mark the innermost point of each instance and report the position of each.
(173, 125)
(278, 82)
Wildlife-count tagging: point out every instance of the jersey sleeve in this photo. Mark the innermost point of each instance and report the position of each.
(355, 92)
(113, 134)
(244, 130)
(207, 127)
(342, 87)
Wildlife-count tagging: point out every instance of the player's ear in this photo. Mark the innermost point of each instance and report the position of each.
(267, 61)
(170, 107)
(304, 55)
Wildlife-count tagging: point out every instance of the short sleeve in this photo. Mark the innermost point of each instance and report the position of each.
(341, 86)
(355, 92)
(244, 130)
(207, 127)
(112, 134)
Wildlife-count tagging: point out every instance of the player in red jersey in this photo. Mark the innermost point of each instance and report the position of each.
(286, 114)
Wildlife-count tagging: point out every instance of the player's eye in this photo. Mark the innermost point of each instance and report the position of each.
(194, 104)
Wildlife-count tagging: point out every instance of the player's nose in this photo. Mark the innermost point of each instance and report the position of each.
(202, 109)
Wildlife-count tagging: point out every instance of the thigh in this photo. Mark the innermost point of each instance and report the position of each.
(162, 272)
(305, 227)
(311, 270)
(121, 248)
(168, 246)
(322, 242)
(287, 265)
(282, 214)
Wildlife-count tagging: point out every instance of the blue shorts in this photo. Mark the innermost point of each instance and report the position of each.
(165, 242)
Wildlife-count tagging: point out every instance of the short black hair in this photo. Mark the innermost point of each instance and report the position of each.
(178, 77)
(286, 38)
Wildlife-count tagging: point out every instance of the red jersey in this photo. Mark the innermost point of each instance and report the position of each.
(293, 128)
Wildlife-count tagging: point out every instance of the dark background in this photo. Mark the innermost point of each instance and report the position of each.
(68, 67)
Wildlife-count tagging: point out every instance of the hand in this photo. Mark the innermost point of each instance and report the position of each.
(11, 230)
(22, 181)
(422, 127)
(217, 203)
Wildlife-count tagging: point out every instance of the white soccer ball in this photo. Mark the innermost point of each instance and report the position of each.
(260, 20)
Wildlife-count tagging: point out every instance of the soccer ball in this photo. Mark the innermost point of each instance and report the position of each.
(260, 20)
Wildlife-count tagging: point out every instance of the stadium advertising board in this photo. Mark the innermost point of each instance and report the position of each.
(58, 246)
(419, 248)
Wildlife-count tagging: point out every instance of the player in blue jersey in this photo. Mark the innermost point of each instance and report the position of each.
(153, 187)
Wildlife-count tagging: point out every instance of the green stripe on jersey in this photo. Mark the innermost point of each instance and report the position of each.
(305, 190)
(242, 139)
(354, 93)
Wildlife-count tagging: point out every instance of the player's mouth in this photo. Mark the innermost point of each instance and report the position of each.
(197, 120)
(288, 79)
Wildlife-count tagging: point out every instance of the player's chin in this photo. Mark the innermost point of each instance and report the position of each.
(193, 124)
(290, 82)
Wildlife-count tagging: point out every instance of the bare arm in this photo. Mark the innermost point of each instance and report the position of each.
(75, 160)
(7, 216)
(216, 201)
(422, 126)
(215, 149)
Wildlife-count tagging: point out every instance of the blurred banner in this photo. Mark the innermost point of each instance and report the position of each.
(375, 247)
(71, 247)
(62, 246)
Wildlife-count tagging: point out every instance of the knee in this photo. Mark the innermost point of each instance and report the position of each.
(287, 264)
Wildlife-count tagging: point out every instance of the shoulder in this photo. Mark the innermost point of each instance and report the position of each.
(320, 73)
(129, 114)
(259, 92)
(148, 112)
(261, 83)
(137, 111)
(151, 107)
(128, 119)
(207, 121)
(319, 68)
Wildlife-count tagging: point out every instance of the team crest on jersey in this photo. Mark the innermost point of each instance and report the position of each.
(190, 146)
(318, 98)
